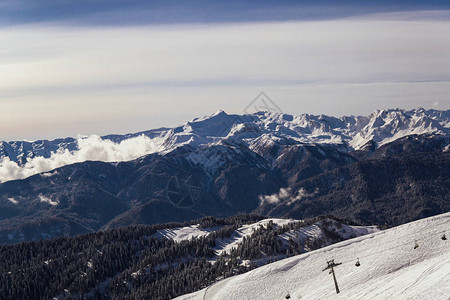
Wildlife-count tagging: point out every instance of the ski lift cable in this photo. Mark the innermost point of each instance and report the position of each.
(443, 222)
(361, 260)
(409, 243)
(436, 251)
(431, 236)
(432, 253)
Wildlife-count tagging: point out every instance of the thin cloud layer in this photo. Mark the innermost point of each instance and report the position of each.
(340, 51)
(89, 148)
(166, 74)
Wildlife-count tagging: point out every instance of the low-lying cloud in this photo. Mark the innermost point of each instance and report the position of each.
(89, 148)
(286, 195)
(282, 195)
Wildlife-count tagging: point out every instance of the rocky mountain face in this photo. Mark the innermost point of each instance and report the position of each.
(390, 167)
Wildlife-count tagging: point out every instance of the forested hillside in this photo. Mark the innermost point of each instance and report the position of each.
(136, 263)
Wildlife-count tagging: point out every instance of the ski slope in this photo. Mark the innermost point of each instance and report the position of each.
(225, 245)
(390, 269)
(194, 231)
(184, 233)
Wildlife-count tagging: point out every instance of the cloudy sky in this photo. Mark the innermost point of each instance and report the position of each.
(117, 66)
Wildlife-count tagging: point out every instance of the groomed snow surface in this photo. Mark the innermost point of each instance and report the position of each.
(390, 269)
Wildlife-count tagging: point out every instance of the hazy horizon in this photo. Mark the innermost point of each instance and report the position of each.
(109, 67)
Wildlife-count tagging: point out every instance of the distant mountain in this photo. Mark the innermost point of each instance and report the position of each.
(351, 132)
(390, 167)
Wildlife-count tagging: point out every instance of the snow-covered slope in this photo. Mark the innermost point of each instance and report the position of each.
(225, 245)
(391, 268)
(184, 233)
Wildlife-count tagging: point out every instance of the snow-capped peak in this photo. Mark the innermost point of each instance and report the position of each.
(381, 126)
(348, 132)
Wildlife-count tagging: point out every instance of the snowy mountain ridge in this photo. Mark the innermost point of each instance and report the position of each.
(353, 132)
(226, 133)
(391, 267)
(382, 126)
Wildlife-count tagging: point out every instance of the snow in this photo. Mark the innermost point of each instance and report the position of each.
(184, 233)
(350, 132)
(224, 246)
(45, 199)
(13, 200)
(390, 269)
(263, 128)
(315, 232)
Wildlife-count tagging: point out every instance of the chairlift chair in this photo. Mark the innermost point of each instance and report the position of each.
(416, 245)
(444, 238)
(288, 296)
(357, 263)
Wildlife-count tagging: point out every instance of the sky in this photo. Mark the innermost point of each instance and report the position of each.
(101, 67)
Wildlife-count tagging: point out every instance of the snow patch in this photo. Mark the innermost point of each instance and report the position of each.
(224, 246)
(13, 201)
(184, 233)
(45, 199)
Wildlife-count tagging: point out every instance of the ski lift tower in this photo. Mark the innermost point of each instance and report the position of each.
(331, 265)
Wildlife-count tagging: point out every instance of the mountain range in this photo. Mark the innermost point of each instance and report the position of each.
(351, 132)
(390, 167)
